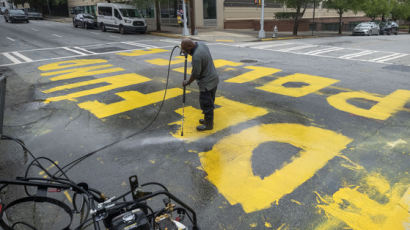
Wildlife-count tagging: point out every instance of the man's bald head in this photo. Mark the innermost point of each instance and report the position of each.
(187, 45)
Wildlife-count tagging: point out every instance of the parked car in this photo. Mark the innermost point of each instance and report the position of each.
(366, 28)
(120, 17)
(84, 20)
(33, 14)
(15, 16)
(2, 10)
(389, 28)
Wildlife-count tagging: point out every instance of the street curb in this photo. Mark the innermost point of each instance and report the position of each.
(288, 38)
(160, 34)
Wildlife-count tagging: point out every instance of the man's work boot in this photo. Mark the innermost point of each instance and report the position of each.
(201, 121)
(208, 125)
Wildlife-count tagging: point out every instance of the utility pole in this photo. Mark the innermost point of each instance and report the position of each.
(185, 31)
(261, 31)
(192, 14)
(313, 21)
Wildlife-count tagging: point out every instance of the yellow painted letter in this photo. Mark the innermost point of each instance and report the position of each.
(70, 63)
(229, 164)
(315, 83)
(385, 107)
(256, 73)
(114, 83)
(236, 112)
(142, 52)
(132, 100)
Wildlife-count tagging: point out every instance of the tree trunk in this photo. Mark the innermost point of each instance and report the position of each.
(340, 21)
(158, 15)
(49, 8)
(296, 23)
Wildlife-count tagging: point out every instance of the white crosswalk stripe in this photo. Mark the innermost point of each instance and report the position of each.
(363, 53)
(26, 59)
(84, 50)
(11, 58)
(324, 51)
(74, 51)
(140, 45)
(297, 48)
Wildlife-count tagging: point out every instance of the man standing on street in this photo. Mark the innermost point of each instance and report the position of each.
(204, 72)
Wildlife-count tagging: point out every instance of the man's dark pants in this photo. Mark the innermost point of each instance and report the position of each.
(206, 101)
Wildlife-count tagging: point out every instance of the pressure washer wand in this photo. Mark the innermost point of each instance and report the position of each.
(184, 94)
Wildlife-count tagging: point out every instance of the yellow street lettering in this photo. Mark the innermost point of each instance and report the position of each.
(135, 53)
(256, 73)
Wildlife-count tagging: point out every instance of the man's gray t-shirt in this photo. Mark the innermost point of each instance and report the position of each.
(203, 69)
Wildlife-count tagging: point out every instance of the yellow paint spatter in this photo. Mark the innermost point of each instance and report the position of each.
(352, 165)
(114, 82)
(229, 69)
(236, 111)
(296, 202)
(152, 161)
(67, 195)
(385, 107)
(330, 224)
(315, 83)
(70, 63)
(282, 227)
(229, 164)
(393, 144)
(165, 62)
(256, 73)
(81, 72)
(268, 225)
(132, 100)
(135, 53)
(359, 211)
(378, 182)
(253, 225)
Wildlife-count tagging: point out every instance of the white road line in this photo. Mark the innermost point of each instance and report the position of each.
(385, 57)
(74, 56)
(349, 56)
(321, 51)
(82, 49)
(11, 39)
(296, 48)
(140, 45)
(26, 59)
(11, 58)
(271, 45)
(391, 58)
(59, 36)
(35, 29)
(74, 51)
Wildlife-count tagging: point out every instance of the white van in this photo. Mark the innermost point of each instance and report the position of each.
(120, 17)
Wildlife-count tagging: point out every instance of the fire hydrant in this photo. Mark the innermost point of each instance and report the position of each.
(275, 32)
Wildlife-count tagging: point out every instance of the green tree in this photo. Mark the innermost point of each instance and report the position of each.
(401, 10)
(300, 7)
(341, 7)
(376, 8)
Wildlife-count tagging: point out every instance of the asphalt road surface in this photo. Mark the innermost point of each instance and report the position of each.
(309, 134)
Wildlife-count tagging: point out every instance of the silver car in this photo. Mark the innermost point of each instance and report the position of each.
(366, 28)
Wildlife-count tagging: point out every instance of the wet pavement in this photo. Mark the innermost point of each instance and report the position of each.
(309, 135)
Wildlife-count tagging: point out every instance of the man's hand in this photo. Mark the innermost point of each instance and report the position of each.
(185, 83)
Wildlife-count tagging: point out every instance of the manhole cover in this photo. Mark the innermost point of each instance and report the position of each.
(249, 61)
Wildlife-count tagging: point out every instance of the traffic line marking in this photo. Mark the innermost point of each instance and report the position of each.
(74, 51)
(26, 59)
(386, 58)
(11, 39)
(140, 45)
(59, 36)
(272, 45)
(11, 58)
(296, 48)
(35, 29)
(363, 53)
(82, 49)
(321, 51)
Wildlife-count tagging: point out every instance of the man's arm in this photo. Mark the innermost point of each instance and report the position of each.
(196, 71)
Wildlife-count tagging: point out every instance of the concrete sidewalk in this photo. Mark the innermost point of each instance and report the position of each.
(243, 35)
